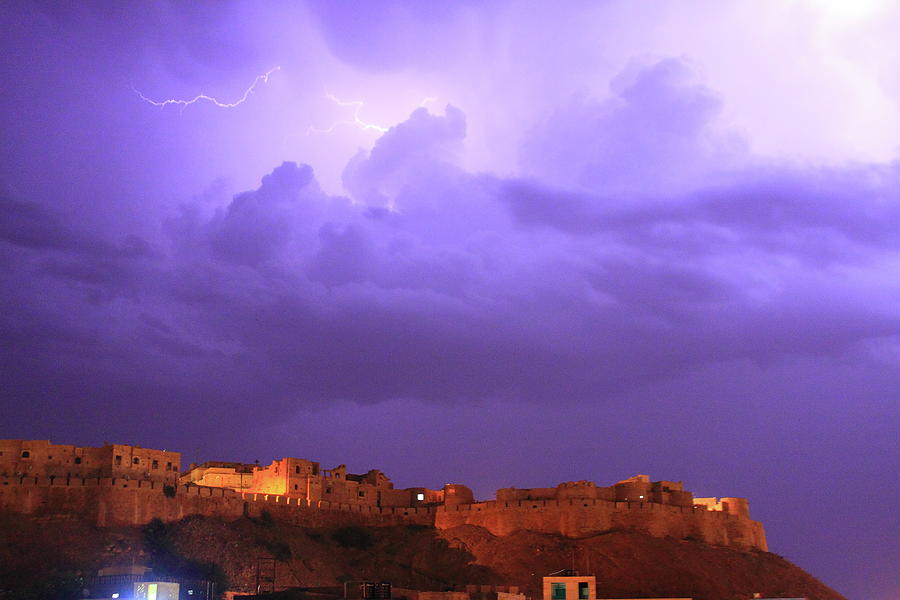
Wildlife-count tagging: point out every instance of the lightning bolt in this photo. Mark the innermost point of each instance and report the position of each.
(264, 78)
(357, 121)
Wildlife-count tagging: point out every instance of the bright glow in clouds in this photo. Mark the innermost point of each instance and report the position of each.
(673, 209)
(264, 78)
(356, 122)
(844, 11)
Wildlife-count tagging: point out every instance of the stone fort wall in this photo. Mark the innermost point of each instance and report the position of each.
(116, 502)
(584, 517)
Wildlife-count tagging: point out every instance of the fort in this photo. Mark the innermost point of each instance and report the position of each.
(128, 485)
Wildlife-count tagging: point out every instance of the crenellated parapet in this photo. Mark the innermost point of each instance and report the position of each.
(299, 491)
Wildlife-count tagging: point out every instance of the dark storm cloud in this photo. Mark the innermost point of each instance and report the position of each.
(31, 226)
(257, 226)
(466, 287)
(820, 214)
(643, 293)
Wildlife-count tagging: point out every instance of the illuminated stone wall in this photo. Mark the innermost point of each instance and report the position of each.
(121, 484)
(585, 517)
(634, 489)
(41, 458)
(235, 476)
(306, 480)
(116, 502)
(134, 502)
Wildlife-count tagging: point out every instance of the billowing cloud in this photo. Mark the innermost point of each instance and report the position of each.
(474, 286)
(657, 133)
(569, 272)
(419, 148)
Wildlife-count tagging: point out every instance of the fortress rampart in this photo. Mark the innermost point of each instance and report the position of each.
(572, 509)
(115, 502)
(584, 517)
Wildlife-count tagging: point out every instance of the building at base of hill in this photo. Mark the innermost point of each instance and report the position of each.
(569, 585)
(41, 458)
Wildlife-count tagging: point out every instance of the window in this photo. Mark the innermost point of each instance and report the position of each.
(174, 467)
(49, 457)
(295, 487)
(77, 460)
(362, 494)
(155, 464)
(583, 590)
(327, 490)
(118, 459)
(297, 469)
(136, 460)
(420, 496)
(168, 466)
(26, 454)
(558, 591)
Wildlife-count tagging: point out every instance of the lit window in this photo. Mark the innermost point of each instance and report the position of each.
(558, 591)
(420, 496)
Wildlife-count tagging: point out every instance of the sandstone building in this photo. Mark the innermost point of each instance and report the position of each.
(40, 458)
(128, 485)
(305, 480)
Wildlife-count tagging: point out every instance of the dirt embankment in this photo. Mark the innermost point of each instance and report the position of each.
(629, 564)
(44, 558)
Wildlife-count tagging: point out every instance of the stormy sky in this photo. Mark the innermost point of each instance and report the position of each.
(488, 243)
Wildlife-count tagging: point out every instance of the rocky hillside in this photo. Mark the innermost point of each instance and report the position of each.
(43, 559)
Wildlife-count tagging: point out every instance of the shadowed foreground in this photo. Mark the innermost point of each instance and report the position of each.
(44, 558)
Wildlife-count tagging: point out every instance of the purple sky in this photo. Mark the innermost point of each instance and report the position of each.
(597, 239)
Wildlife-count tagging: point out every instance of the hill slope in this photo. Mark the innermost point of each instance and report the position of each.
(42, 559)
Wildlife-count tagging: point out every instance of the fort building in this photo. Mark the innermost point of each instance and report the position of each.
(305, 480)
(40, 458)
(119, 484)
(634, 489)
(229, 475)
